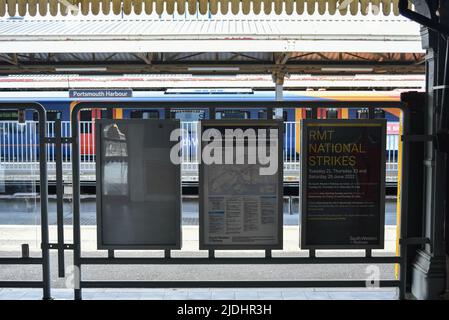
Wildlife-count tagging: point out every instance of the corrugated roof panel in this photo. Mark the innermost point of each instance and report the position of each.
(151, 35)
(198, 28)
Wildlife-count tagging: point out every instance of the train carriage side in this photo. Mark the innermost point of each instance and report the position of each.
(62, 107)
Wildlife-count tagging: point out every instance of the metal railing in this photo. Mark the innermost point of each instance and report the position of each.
(28, 134)
(19, 151)
(80, 259)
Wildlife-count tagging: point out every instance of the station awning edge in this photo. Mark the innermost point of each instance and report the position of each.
(295, 7)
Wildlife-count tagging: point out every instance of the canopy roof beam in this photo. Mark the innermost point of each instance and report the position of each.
(146, 57)
(328, 67)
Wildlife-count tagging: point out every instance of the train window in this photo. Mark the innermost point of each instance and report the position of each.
(106, 113)
(187, 115)
(332, 114)
(9, 115)
(262, 114)
(308, 113)
(151, 114)
(233, 114)
(136, 114)
(148, 114)
(52, 115)
(85, 115)
(362, 114)
(379, 114)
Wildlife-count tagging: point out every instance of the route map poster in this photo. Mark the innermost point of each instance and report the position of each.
(342, 184)
(240, 207)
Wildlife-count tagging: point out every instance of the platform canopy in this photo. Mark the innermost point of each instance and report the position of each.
(310, 44)
(118, 7)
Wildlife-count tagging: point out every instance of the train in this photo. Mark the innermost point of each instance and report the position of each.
(59, 104)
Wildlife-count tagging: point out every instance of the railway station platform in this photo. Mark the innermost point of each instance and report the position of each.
(101, 199)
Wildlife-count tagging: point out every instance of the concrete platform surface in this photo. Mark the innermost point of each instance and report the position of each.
(208, 294)
(12, 236)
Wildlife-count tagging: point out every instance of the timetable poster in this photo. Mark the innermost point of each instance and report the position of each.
(240, 206)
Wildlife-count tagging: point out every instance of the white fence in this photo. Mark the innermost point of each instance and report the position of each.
(19, 151)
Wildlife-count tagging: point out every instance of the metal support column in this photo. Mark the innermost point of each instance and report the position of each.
(279, 92)
(59, 197)
(44, 204)
(429, 268)
(76, 204)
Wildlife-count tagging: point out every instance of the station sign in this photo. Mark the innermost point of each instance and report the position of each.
(138, 186)
(100, 93)
(342, 184)
(240, 184)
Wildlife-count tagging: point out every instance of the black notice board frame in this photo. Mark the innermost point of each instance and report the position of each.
(207, 124)
(101, 245)
(307, 123)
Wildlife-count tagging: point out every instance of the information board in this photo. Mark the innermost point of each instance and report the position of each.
(343, 184)
(241, 191)
(138, 186)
